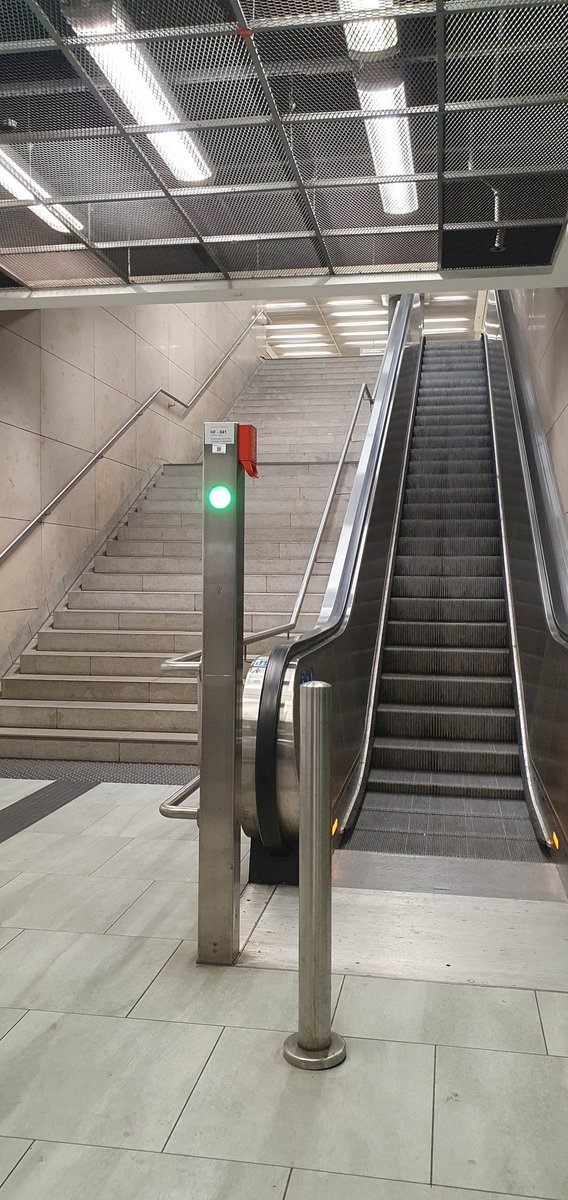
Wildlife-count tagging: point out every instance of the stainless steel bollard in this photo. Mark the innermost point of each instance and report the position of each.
(315, 1047)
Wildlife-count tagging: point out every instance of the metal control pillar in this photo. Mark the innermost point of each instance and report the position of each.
(227, 453)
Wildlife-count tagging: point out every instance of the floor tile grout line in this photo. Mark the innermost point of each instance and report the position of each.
(433, 1117)
(538, 1009)
(336, 1005)
(260, 915)
(186, 1102)
(127, 842)
(17, 1164)
(287, 1184)
(20, 1018)
(156, 976)
(128, 906)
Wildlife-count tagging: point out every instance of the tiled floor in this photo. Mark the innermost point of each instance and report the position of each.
(128, 1072)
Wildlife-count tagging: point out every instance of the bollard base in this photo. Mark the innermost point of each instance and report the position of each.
(315, 1060)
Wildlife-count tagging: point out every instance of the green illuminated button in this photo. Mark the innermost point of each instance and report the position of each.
(220, 496)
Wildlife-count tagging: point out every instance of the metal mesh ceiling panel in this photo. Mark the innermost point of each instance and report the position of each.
(164, 140)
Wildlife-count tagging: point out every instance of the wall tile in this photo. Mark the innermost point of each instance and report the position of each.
(181, 339)
(558, 445)
(113, 482)
(111, 410)
(181, 383)
(151, 370)
(19, 472)
(152, 438)
(125, 313)
(207, 356)
(552, 378)
(152, 321)
(11, 624)
(25, 324)
(67, 403)
(19, 381)
(61, 546)
(114, 353)
(70, 334)
(21, 573)
(184, 445)
(59, 463)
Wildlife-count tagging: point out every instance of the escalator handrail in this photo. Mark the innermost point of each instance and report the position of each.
(336, 603)
(547, 519)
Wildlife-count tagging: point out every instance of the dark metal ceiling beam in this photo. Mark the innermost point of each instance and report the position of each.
(77, 66)
(280, 131)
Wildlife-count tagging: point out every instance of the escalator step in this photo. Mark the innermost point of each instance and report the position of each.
(448, 565)
(443, 509)
(454, 634)
(421, 547)
(437, 754)
(435, 660)
(445, 783)
(471, 724)
(432, 527)
(466, 587)
(447, 689)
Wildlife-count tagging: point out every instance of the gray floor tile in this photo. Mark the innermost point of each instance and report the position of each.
(500, 1122)
(129, 821)
(54, 1171)
(100, 1080)
(251, 1105)
(11, 1151)
(15, 789)
(449, 1014)
(67, 902)
(147, 795)
(165, 910)
(159, 860)
(223, 995)
(54, 853)
(75, 817)
(320, 1185)
(8, 1018)
(7, 934)
(79, 972)
(554, 1012)
(6, 876)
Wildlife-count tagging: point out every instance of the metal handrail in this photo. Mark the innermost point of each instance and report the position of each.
(192, 661)
(187, 404)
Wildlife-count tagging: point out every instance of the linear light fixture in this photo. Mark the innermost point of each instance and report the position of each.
(365, 342)
(445, 320)
(445, 299)
(306, 353)
(301, 345)
(293, 325)
(352, 312)
(276, 306)
(367, 38)
(344, 303)
(453, 329)
(391, 149)
(22, 186)
(134, 78)
(364, 323)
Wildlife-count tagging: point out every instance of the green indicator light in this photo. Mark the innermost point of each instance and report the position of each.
(220, 497)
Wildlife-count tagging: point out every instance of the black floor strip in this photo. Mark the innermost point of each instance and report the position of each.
(25, 812)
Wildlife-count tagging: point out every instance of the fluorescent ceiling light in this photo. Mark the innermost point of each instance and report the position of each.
(307, 353)
(448, 299)
(445, 320)
(277, 305)
(444, 329)
(301, 345)
(363, 323)
(19, 184)
(352, 312)
(369, 37)
(344, 303)
(130, 73)
(391, 150)
(296, 337)
(293, 325)
(369, 352)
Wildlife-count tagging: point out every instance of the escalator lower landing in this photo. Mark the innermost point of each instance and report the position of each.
(445, 774)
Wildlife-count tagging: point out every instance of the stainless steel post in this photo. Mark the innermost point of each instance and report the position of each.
(222, 662)
(315, 1047)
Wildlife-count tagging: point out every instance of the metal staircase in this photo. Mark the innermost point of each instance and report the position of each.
(445, 773)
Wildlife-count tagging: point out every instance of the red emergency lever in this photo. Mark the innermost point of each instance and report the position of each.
(246, 449)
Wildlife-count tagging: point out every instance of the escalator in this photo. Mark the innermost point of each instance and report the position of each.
(445, 775)
(443, 631)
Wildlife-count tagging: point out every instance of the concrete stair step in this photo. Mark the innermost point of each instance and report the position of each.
(104, 663)
(134, 601)
(124, 641)
(103, 745)
(168, 690)
(126, 716)
(114, 618)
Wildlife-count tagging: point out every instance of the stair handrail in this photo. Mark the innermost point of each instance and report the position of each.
(192, 661)
(160, 391)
